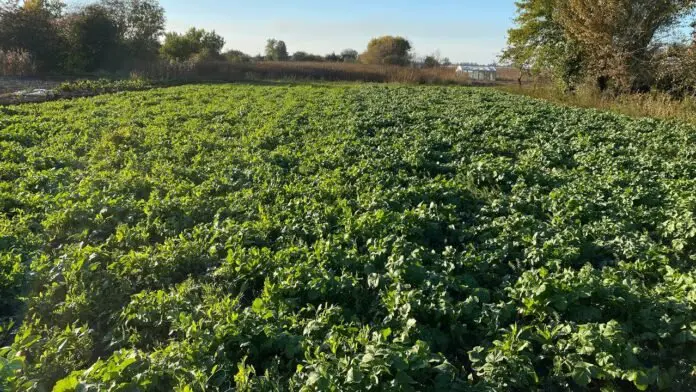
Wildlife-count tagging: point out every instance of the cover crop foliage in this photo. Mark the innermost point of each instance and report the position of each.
(344, 238)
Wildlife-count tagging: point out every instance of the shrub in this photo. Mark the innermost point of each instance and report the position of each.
(16, 63)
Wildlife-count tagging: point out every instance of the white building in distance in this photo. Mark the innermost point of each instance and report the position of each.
(477, 72)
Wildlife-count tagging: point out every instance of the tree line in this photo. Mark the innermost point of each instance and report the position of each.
(203, 45)
(106, 35)
(616, 46)
(113, 35)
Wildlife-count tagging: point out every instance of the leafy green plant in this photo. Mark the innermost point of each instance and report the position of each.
(103, 85)
(345, 238)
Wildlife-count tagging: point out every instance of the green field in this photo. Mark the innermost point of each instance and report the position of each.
(344, 237)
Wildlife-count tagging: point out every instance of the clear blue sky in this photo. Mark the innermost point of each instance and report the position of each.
(462, 30)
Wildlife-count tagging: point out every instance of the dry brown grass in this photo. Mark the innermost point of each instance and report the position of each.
(226, 71)
(16, 64)
(511, 74)
(655, 104)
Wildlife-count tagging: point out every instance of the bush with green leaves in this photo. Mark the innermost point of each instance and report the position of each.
(97, 86)
(344, 238)
(195, 43)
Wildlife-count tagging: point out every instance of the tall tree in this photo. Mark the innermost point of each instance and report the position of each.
(538, 43)
(33, 28)
(276, 50)
(282, 51)
(270, 48)
(616, 35)
(140, 25)
(92, 37)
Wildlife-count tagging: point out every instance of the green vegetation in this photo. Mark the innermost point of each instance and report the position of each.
(617, 46)
(276, 50)
(103, 85)
(108, 35)
(344, 238)
(118, 37)
(387, 50)
(195, 43)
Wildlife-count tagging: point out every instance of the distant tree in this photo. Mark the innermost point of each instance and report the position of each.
(446, 62)
(211, 42)
(387, 50)
(32, 28)
(92, 37)
(177, 47)
(300, 56)
(140, 25)
(195, 42)
(333, 57)
(271, 48)
(282, 51)
(276, 50)
(236, 56)
(304, 56)
(349, 55)
(430, 62)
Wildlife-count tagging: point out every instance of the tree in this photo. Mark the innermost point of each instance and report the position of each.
(675, 70)
(92, 36)
(538, 43)
(333, 57)
(446, 62)
(53, 7)
(210, 42)
(237, 56)
(271, 48)
(300, 56)
(304, 56)
(282, 51)
(616, 36)
(349, 55)
(276, 50)
(107, 33)
(177, 47)
(387, 50)
(33, 28)
(430, 62)
(205, 45)
(140, 25)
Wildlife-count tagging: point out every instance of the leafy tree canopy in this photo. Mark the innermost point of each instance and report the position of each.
(387, 50)
(180, 47)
